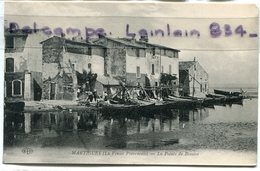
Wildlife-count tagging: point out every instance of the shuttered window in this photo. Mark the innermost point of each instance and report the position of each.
(17, 88)
(138, 72)
(9, 65)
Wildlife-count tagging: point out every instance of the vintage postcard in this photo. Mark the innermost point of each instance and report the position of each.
(130, 83)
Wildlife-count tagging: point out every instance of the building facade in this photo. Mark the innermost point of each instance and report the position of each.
(194, 80)
(23, 70)
(38, 67)
(68, 65)
(141, 63)
(125, 60)
(162, 66)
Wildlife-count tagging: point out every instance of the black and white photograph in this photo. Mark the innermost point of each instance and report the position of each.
(130, 83)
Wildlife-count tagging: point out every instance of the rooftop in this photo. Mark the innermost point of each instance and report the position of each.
(135, 43)
(156, 45)
(184, 65)
(124, 41)
(73, 41)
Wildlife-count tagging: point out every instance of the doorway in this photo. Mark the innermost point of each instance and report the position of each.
(52, 91)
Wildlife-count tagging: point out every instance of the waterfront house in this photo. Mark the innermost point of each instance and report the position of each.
(141, 63)
(125, 60)
(194, 80)
(23, 71)
(162, 65)
(69, 65)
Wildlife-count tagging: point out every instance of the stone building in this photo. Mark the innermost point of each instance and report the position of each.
(162, 65)
(125, 60)
(64, 64)
(194, 80)
(139, 62)
(23, 71)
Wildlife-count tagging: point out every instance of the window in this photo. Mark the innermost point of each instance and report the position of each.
(138, 72)
(9, 42)
(164, 52)
(73, 66)
(176, 54)
(200, 87)
(170, 69)
(162, 69)
(9, 65)
(152, 69)
(142, 53)
(90, 51)
(156, 83)
(137, 52)
(17, 88)
(153, 51)
(173, 54)
(89, 65)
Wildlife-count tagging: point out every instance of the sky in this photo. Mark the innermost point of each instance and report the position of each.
(229, 60)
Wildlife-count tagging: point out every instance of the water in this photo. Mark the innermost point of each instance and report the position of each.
(231, 127)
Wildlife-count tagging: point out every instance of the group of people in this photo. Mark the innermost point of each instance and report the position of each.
(90, 96)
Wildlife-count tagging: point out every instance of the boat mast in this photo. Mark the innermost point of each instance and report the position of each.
(193, 85)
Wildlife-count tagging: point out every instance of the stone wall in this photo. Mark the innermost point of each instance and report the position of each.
(132, 80)
(52, 50)
(115, 61)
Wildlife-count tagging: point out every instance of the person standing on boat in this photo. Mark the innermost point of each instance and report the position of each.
(90, 96)
(95, 95)
(105, 96)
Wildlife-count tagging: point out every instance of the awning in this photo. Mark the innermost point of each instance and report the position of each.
(107, 80)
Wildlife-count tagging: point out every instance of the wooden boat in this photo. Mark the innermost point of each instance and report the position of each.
(234, 98)
(208, 101)
(180, 102)
(130, 106)
(225, 99)
(217, 98)
(194, 100)
(162, 105)
(144, 105)
(214, 95)
(227, 93)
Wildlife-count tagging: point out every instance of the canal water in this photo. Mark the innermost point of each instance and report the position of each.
(226, 127)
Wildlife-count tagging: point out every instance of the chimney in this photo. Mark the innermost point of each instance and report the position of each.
(78, 38)
(63, 35)
(101, 36)
(5, 24)
(133, 37)
(144, 38)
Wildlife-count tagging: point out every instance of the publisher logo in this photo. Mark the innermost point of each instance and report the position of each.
(27, 150)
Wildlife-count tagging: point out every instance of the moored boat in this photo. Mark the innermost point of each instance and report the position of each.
(227, 93)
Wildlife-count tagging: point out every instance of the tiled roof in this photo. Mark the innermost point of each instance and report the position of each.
(126, 42)
(73, 42)
(184, 65)
(156, 45)
(135, 43)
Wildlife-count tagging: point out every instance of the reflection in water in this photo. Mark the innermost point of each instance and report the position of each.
(116, 128)
(94, 129)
